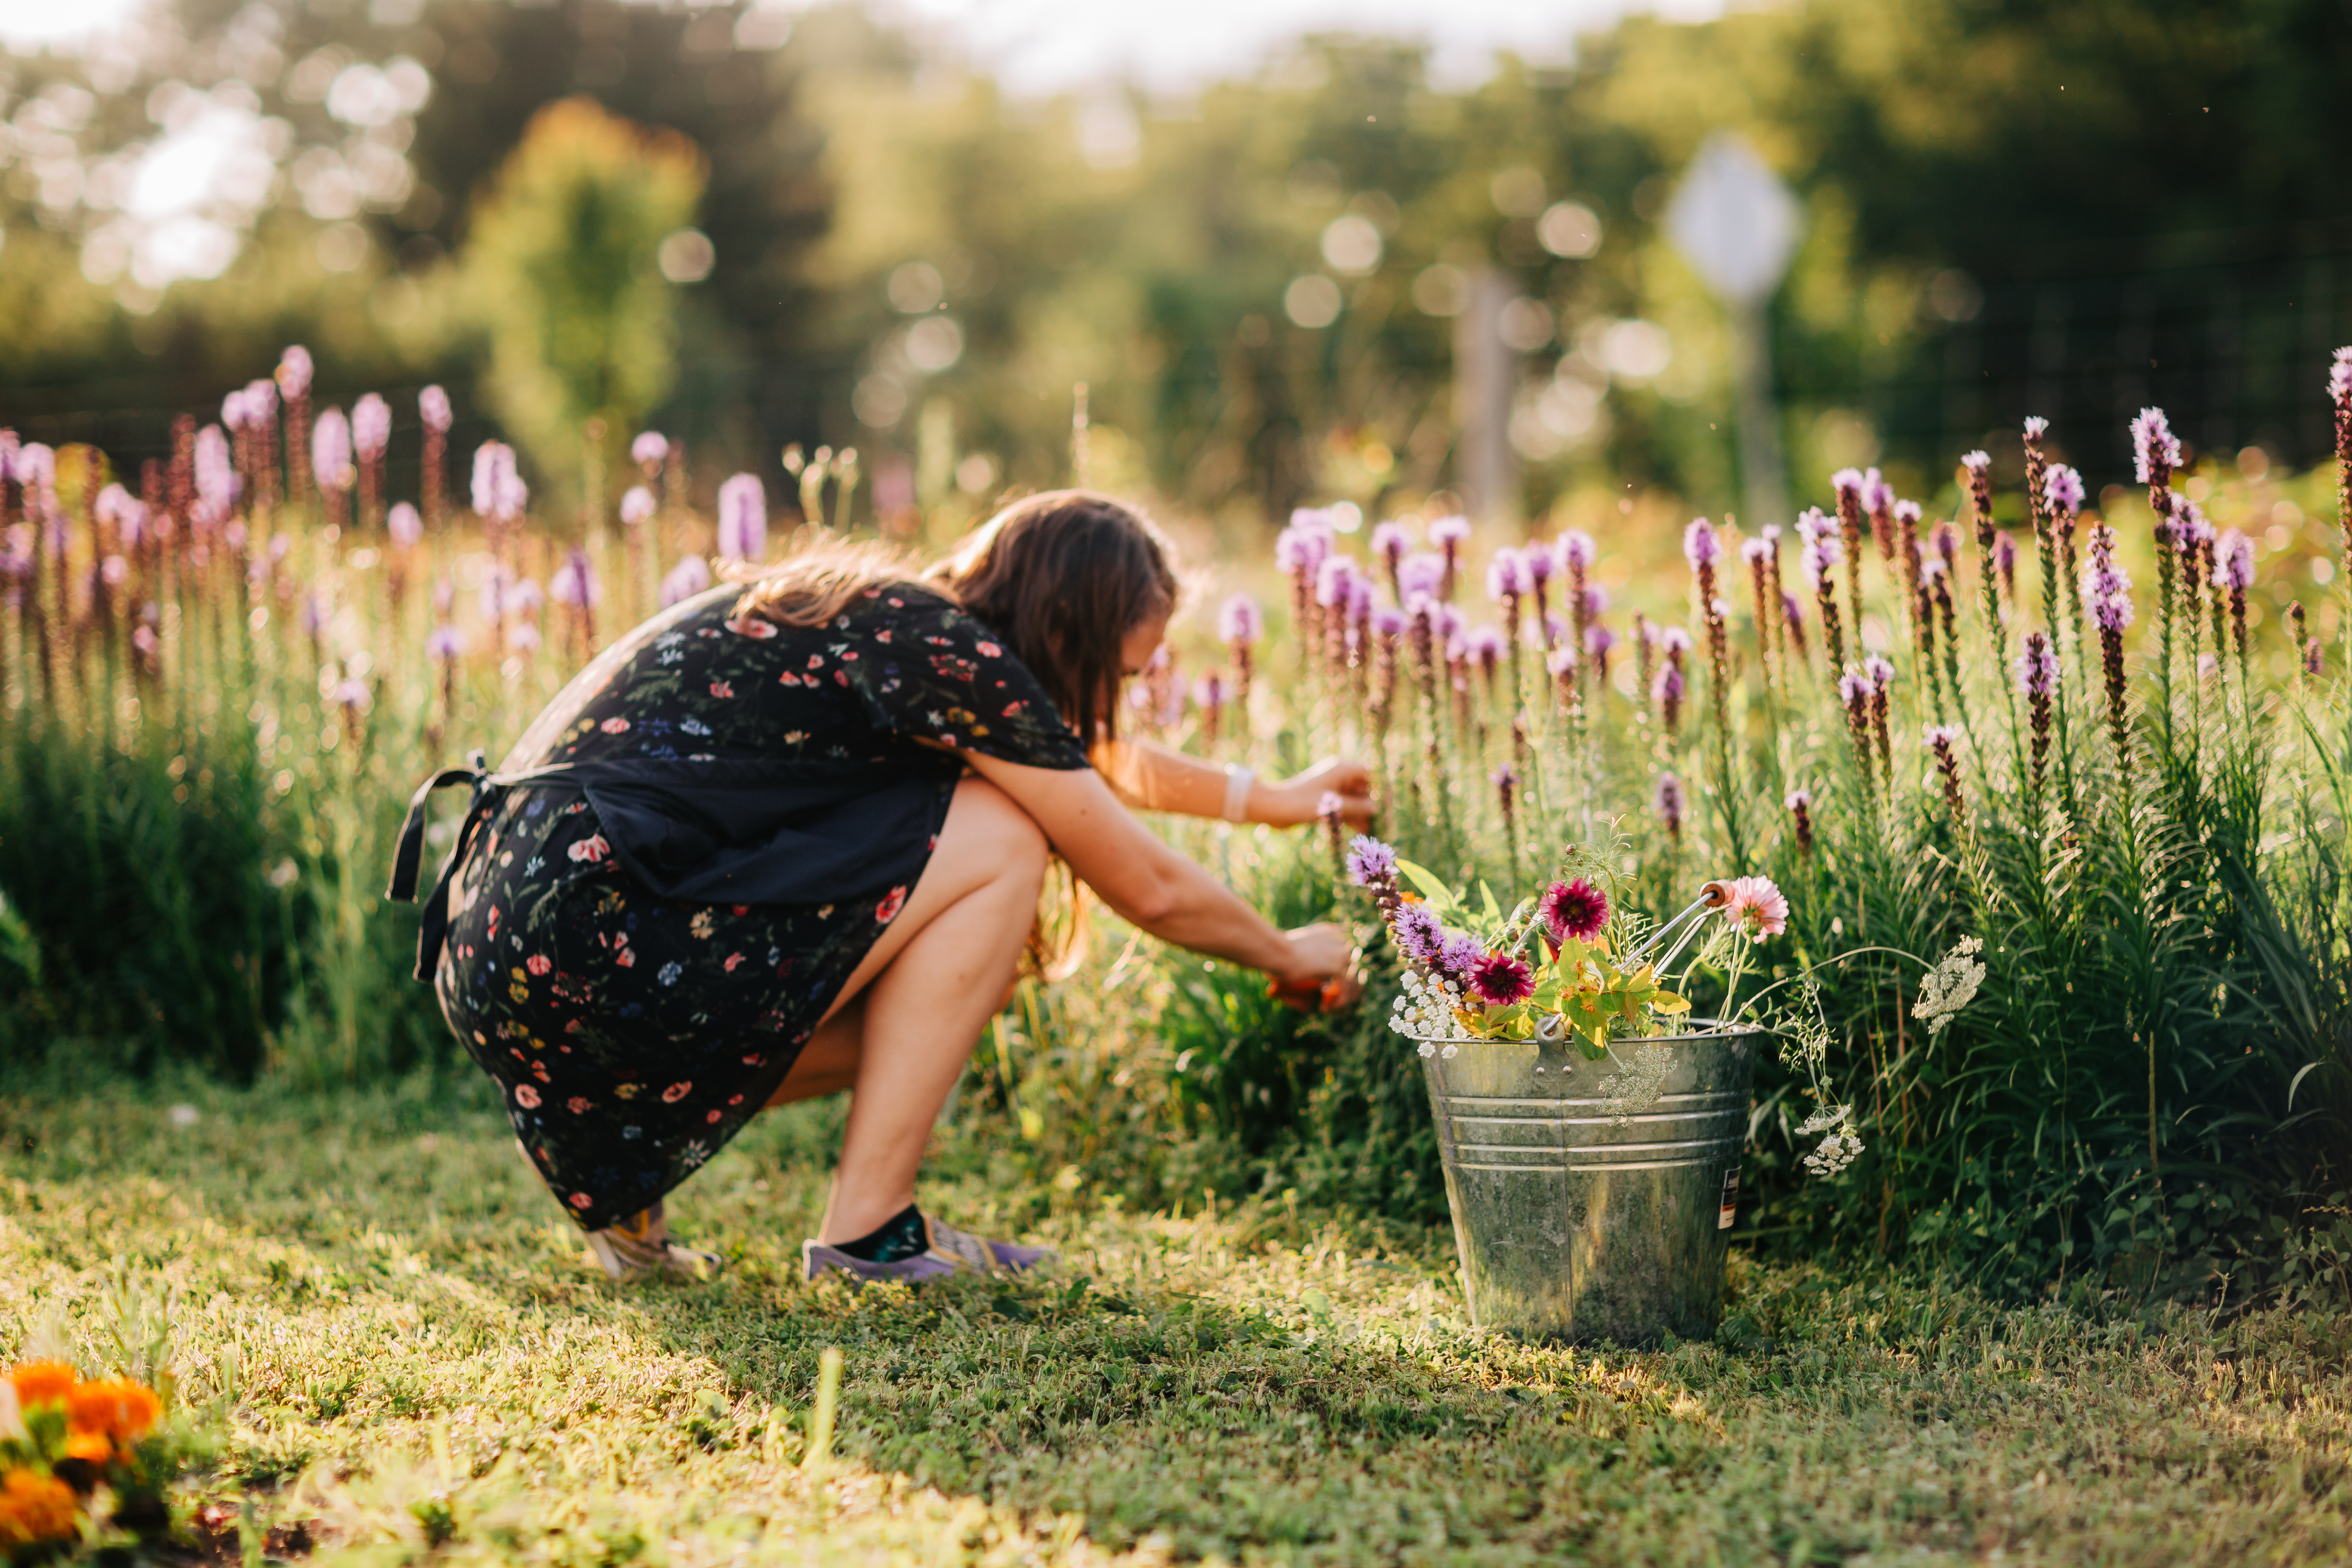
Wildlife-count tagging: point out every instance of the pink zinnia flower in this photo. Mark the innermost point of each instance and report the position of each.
(1498, 980)
(1756, 909)
(1575, 908)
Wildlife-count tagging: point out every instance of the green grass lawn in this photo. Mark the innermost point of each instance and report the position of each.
(409, 1356)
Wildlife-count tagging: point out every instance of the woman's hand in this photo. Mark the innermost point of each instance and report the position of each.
(1321, 971)
(1297, 800)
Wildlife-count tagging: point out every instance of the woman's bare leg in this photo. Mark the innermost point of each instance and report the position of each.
(911, 1013)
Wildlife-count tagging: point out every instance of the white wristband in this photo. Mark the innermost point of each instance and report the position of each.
(1238, 787)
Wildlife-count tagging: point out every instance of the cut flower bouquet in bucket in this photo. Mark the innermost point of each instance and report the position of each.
(1589, 1210)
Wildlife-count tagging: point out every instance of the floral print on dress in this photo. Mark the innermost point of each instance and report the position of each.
(633, 1036)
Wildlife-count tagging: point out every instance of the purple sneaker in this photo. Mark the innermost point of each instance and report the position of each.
(950, 1250)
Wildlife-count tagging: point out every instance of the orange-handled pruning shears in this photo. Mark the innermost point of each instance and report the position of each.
(1340, 991)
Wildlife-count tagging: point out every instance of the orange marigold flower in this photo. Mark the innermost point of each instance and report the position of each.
(34, 1507)
(119, 1410)
(95, 1446)
(43, 1383)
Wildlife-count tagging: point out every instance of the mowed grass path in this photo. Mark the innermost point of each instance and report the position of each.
(411, 1359)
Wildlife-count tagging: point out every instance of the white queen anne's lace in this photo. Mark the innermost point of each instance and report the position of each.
(1425, 1011)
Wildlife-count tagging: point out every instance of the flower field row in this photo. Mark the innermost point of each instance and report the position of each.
(2105, 739)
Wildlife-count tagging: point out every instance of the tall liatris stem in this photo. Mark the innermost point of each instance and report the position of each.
(1854, 693)
(2339, 393)
(2107, 591)
(1823, 550)
(1506, 780)
(1240, 624)
(1702, 550)
(1943, 741)
(294, 382)
(1848, 483)
(2155, 451)
(2037, 674)
(1757, 554)
(1907, 527)
(1980, 471)
(433, 407)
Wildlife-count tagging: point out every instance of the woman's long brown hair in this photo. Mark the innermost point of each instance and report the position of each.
(1062, 578)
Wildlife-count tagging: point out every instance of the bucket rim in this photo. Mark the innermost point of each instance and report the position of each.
(1714, 1029)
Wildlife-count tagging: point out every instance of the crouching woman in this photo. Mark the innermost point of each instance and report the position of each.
(789, 837)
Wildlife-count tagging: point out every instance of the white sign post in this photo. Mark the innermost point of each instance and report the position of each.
(1738, 226)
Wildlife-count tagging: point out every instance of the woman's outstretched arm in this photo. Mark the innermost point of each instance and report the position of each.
(1148, 883)
(1150, 777)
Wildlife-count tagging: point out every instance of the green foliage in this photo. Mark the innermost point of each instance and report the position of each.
(140, 913)
(561, 267)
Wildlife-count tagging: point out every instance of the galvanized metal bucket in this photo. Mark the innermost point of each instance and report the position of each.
(1573, 1225)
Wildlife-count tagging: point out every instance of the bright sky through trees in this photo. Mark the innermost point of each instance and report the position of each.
(1051, 46)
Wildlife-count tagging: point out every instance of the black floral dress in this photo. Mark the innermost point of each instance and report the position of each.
(634, 1031)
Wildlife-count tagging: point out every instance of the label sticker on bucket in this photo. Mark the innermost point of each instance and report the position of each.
(1730, 1210)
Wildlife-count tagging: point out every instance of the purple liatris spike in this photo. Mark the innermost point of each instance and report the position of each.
(444, 642)
(1577, 550)
(1942, 740)
(2063, 490)
(492, 461)
(1800, 813)
(1669, 803)
(1823, 550)
(1701, 548)
(1240, 622)
(1371, 863)
(405, 526)
(2156, 451)
(1334, 580)
(1299, 551)
(1506, 577)
(685, 580)
(371, 426)
(1419, 573)
(2037, 666)
(637, 505)
(1669, 688)
(742, 519)
(1419, 936)
(294, 371)
(649, 448)
(330, 450)
(574, 581)
(1457, 956)
(433, 407)
(2037, 676)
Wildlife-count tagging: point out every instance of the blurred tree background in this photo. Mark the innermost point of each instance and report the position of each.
(2011, 206)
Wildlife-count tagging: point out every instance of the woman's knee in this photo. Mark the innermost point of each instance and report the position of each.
(1007, 837)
